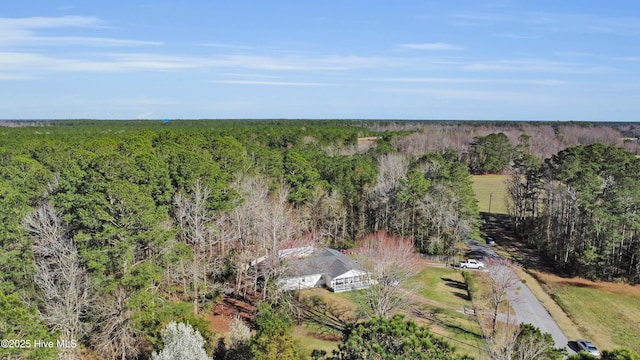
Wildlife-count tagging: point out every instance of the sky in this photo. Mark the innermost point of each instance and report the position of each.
(350, 59)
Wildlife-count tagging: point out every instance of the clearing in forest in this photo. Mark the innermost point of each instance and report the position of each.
(491, 192)
(438, 299)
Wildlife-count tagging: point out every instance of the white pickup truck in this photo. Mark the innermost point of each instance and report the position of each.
(471, 264)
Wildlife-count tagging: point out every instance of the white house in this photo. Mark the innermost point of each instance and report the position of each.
(325, 267)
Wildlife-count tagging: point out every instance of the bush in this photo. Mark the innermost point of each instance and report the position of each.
(181, 342)
(470, 282)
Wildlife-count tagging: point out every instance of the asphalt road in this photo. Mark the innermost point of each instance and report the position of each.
(527, 307)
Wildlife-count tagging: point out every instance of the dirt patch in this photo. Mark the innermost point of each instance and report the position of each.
(366, 143)
(219, 323)
(367, 139)
(230, 307)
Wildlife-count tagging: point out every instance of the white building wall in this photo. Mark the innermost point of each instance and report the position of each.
(302, 282)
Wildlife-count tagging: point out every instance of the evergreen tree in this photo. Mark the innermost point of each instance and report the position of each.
(20, 324)
(490, 154)
(273, 339)
(392, 338)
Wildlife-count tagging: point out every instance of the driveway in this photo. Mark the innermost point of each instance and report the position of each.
(527, 307)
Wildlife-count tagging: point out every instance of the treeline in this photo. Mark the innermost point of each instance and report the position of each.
(541, 139)
(580, 207)
(111, 230)
(574, 192)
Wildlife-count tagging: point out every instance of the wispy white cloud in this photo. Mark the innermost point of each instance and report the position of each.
(271, 83)
(144, 115)
(227, 46)
(537, 23)
(519, 36)
(22, 62)
(431, 46)
(37, 22)
(542, 66)
(89, 41)
(249, 75)
(26, 32)
(8, 76)
(475, 95)
(587, 23)
(430, 80)
(477, 19)
(628, 58)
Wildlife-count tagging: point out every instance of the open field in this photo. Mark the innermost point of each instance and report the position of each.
(491, 190)
(606, 313)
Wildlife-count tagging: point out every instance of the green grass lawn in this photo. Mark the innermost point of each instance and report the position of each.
(441, 292)
(491, 189)
(437, 299)
(308, 340)
(606, 313)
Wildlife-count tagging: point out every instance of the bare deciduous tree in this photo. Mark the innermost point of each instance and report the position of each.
(391, 261)
(61, 277)
(115, 336)
(256, 229)
(503, 283)
(195, 222)
(501, 342)
(325, 214)
(514, 341)
(392, 168)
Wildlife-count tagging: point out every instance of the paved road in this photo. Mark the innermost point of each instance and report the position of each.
(527, 307)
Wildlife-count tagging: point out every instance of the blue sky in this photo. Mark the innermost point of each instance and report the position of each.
(156, 59)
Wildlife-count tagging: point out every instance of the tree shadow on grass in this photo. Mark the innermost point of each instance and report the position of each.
(462, 296)
(454, 283)
(458, 285)
(433, 317)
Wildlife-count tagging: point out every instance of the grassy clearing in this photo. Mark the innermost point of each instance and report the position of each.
(441, 293)
(491, 189)
(438, 299)
(308, 340)
(607, 313)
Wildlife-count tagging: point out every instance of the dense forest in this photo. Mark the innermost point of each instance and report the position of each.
(112, 229)
(580, 208)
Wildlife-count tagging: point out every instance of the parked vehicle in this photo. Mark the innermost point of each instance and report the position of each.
(472, 264)
(588, 346)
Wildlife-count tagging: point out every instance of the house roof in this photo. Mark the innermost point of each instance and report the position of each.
(323, 261)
